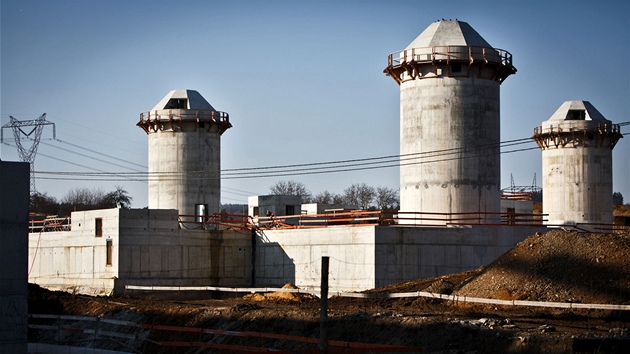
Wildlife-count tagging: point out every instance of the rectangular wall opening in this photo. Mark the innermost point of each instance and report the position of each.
(98, 227)
(109, 249)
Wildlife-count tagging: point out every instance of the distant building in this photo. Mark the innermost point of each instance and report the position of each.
(279, 205)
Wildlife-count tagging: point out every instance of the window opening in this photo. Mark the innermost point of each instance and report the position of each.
(177, 103)
(109, 246)
(98, 227)
(511, 216)
(290, 210)
(575, 114)
(456, 67)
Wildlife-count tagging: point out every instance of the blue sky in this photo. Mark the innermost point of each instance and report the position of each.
(303, 82)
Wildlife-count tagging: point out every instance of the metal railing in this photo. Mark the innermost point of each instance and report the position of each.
(450, 53)
(601, 128)
(49, 224)
(386, 218)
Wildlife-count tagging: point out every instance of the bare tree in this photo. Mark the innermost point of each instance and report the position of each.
(324, 197)
(327, 197)
(292, 188)
(83, 196)
(387, 199)
(42, 203)
(359, 194)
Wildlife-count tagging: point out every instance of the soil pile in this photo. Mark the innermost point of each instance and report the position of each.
(558, 266)
(282, 296)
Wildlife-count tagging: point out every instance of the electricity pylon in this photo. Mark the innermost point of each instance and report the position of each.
(28, 155)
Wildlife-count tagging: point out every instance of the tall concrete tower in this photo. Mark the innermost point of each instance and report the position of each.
(576, 144)
(185, 153)
(449, 81)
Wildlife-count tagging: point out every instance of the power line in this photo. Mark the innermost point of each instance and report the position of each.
(299, 169)
(89, 157)
(100, 153)
(310, 171)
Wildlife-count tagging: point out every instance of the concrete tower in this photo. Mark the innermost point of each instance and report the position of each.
(576, 144)
(449, 81)
(185, 153)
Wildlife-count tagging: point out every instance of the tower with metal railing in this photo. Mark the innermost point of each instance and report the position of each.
(184, 133)
(577, 143)
(449, 79)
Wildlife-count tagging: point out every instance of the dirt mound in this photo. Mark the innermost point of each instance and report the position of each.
(621, 210)
(282, 296)
(558, 266)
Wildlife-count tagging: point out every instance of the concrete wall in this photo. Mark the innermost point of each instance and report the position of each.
(14, 204)
(294, 256)
(76, 260)
(154, 251)
(577, 184)
(519, 207)
(452, 124)
(404, 253)
(188, 163)
(373, 256)
(148, 248)
(277, 204)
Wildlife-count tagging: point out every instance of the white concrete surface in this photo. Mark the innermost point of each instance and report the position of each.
(576, 144)
(148, 248)
(366, 257)
(14, 204)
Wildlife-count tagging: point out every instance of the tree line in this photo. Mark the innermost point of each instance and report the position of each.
(79, 199)
(358, 194)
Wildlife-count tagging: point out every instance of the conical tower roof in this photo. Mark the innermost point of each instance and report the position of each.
(577, 110)
(184, 99)
(449, 33)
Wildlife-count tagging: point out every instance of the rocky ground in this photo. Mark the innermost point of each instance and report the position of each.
(556, 266)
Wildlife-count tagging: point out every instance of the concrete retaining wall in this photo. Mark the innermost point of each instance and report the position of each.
(147, 248)
(294, 256)
(404, 253)
(373, 256)
(76, 261)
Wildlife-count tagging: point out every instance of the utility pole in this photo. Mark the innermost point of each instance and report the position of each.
(323, 304)
(27, 155)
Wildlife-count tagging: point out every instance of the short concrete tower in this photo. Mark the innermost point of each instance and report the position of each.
(576, 144)
(185, 153)
(449, 81)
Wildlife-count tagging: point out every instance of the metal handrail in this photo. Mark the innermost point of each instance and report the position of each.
(184, 114)
(448, 53)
